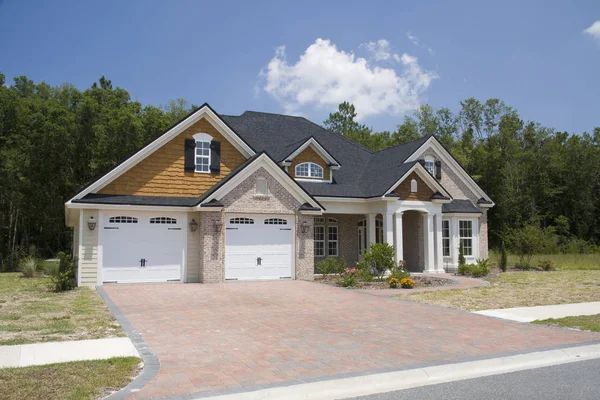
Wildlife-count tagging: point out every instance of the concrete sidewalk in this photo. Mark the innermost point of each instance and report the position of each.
(528, 314)
(56, 352)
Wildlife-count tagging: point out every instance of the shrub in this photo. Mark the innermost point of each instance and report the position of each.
(332, 265)
(380, 259)
(363, 274)
(393, 282)
(348, 277)
(407, 283)
(503, 258)
(400, 274)
(67, 271)
(529, 240)
(545, 265)
(465, 269)
(28, 266)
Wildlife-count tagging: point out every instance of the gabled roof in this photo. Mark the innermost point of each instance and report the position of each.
(460, 206)
(314, 143)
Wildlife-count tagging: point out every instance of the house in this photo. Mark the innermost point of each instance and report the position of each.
(265, 196)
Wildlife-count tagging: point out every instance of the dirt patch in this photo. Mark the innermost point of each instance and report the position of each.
(420, 282)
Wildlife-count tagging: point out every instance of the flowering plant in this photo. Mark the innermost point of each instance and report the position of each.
(407, 283)
(393, 283)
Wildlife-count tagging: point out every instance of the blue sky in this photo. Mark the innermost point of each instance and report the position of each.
(387, 57)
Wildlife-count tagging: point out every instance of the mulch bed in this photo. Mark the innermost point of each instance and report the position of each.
(420, 282)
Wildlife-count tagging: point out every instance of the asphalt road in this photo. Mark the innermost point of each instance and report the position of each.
(578, 380)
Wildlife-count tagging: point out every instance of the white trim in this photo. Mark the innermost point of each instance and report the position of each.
(315, 180)
(80, 247)
(202, 156)
(202, 112)
(310, 164)
(423, 174)
(336, 241)
(430, 159)
(185, 228)
(128, 207)
(202, 137)
(275, 170)
(261, 179)
(312, 142)
(462, 215)
(447, 158)
(355, 199)
(100, 260)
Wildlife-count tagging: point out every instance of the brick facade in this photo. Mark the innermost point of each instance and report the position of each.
(162, 172)
(347, 236)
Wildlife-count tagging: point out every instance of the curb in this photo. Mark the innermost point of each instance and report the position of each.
(393, 381)
(151, 361)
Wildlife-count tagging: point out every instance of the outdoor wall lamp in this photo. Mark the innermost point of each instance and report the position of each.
(91, 223)
(218, 225)
(304, 227)
(193, 225)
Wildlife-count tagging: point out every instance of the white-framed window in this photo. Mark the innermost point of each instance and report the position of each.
(319, 240)
(122, 219)
(413, 186)
(446, 238)
(465, 234)
(309, 170)
(332, 240)
(245, 221)
(202, 159)
(163, 220)
(378, 230)
(261, 186)
(430, 164)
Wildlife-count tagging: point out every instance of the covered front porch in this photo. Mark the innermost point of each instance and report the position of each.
(413, 228)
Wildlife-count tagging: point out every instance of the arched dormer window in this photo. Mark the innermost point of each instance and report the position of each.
(202, 160)
(430, 164)
(309, 170)
(413, 186)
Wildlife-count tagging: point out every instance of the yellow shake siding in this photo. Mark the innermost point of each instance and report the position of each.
(423, 193)
(162, 173)
(88, 264)
(310, 155)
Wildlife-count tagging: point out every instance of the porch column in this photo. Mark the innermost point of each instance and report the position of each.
(398, 239)
(371, 229)
(428, 243)
(439, 256)
(388, 228)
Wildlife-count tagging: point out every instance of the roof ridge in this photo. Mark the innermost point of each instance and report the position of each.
(424, 138)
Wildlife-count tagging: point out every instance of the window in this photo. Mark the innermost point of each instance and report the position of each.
(202, 156)
(379, 231)
(332, 221)
(275, 221)
(319, 245)
(465, 233)
(319, 220)
(309, 170)
(261, 186)
(122, 220)
(430, 164)
(446, 238)
(163, 220)
(413, 186)
(332, 240)
(245, 221)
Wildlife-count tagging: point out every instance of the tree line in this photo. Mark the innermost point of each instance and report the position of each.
(56, 139)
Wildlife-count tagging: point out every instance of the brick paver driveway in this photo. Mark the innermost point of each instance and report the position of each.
(238, 335)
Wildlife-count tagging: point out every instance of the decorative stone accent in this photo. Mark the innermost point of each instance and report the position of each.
(304, 249)
(212, 268)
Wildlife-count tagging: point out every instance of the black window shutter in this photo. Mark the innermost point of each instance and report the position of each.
(190, 155)
(438, 170)
(215, 157)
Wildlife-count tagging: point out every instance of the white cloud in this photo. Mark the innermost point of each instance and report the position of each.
(324, 76)
(412, 38)
(594, 30)
(379, 50)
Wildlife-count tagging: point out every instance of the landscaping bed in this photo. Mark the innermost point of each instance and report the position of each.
(420, 282)
(30, 312)
(75, 380)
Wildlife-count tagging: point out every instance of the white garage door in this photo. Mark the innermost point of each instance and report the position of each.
(142, 247)
(259, 247)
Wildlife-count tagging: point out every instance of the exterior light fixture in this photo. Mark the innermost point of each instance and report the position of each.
(304, 227)
(218, 225)
(91, 223)
(193, 225)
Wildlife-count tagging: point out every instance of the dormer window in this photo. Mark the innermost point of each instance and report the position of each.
(430, 164)
(309, 170)
(202, 160)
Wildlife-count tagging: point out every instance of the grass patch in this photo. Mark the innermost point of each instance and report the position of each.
(519, 289)
(30, 313)
(582, 322)
(559, 261)
(74, 380)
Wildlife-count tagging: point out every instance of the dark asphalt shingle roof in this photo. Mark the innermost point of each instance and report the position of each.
(460, 206)
(94, 198)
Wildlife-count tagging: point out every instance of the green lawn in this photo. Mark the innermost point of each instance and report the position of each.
(582, 322)
(74, 380)
(30, 313)
(519, 289)
(560, 261)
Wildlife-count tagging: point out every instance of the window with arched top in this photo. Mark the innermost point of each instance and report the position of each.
(275, 221)
(309, 170)
(247, 221)
(413, 186)
(163, 220)
(122, 219)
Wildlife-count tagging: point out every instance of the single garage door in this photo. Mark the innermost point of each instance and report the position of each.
(259, 247)
(142, 247)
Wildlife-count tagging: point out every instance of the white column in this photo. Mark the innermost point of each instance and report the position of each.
(454, 242)
(399, 254)
(371, 229)
(388, 228)
(439, 257)
(428, 242)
